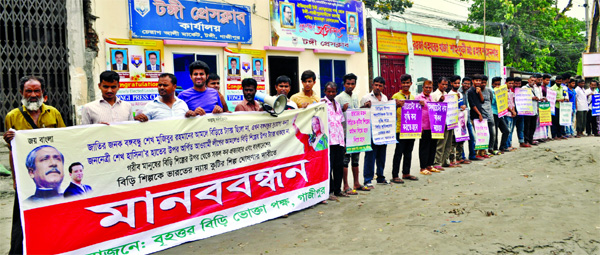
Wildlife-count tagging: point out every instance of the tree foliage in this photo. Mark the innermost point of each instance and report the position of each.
(536, 38)
(387, 7)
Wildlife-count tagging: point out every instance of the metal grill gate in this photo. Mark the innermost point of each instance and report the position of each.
(33, 41)
(441, 67)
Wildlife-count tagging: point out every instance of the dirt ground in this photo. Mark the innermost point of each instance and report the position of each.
(542, 200)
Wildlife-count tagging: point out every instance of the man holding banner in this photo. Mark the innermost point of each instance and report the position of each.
(561, 96)
(478, 111)
(377, 155)
(593, 96)
(405, 144)
(200, 98)
(444, 146)
(427, 145)
(500, 109)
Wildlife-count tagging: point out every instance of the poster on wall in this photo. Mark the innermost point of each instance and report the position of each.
(326, 24)
(139, 188)
(242, 64)
(139, 63)
(190, 20)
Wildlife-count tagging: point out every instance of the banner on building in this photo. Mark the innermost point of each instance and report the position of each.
(452, 111)
(482, 134)
(523, 101)
(566, 110)
(545, 114)
(151, 186)
(242, 64)
(411, 120)
(595, 104)
(325, 24)
(551, 97)
(138, 63)
(461, 133)
(389, 41)
(190, 20)
(383, 123)
(501, 100)
(437, 118)
(426, 45)
(358, 130)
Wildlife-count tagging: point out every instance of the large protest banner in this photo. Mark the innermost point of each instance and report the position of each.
(551, 97)
(358, 130)
(411, 122)
(566, 110)
(138, 63)
(159, 184)
(501, 100)
(595, 105)
(324, 24)
(545, 114)
(437, 118)
(482, 134)
(383, 123)
(452, 110)
(523, 101)
(241, 64)
(461, 133)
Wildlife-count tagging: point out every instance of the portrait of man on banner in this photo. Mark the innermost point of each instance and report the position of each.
(118, 59)
(352, 23)
(45, 165)
(152, 60)
(257, 68)
(287, 15)
(233, 66)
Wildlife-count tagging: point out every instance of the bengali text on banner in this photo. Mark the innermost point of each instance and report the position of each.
(411, 122)
(482, 134)
(437, 118)
(501, 100)
(358, 130)
(523, 101)
(545, 114)
(566, 110)
(452, 113)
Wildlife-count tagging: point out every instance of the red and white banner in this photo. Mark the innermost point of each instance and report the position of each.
(145, 187)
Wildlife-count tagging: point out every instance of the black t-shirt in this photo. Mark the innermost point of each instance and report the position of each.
(475, 101)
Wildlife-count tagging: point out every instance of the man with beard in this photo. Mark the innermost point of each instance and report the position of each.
(248, 104)
(45, 165)
(200, 98)
(33, 114)
(109, 108)
(166, 105)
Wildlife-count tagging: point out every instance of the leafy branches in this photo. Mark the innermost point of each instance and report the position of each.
(387, 7)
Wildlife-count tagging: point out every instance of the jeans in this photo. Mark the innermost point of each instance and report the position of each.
(510, 124)
(336, 164)
(500, 124)
(404, 147)
(426, 149)
(472, 152)
(520, 123)
(492, 131)
(376, 156)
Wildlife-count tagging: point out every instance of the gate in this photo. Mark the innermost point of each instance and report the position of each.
(442, 67)
(392, 67)
(33, 41)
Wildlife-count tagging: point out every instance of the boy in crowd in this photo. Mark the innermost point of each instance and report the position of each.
(213, 81)
(573, 99)
(108, 109)
(427, 145)
(531, 121)
(335, 116)
(582, 107)
(377, 155)
(307, 95)
(591, 126)
(544, 88)
(404, 147)
(520, 120)
(510, 123)
(500, 123)
(349, 100)
(478, 98)
(457, 151)
(444, 146)
(558, 132)
(249, 86)
(283, 88)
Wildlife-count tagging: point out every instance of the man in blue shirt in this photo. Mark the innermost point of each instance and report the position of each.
(200, 98)
(166, 105)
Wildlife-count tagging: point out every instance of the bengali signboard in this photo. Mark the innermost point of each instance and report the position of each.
(482, 134)
(151, 186)
(383, 123)
(358, 130)
(501, 100)
(323, 24)
(461, 133)
(138, 63)
(595, 104)
(411, 122)
(190, 20)
(566, 110)
(451, 101)
(449, 48)
(389, 41)
(523, 101)
(545, 114)
(437, 118)
(551, 97)
(241, 64)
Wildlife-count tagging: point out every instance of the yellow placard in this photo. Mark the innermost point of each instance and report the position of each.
(449, 48)
(391, 42)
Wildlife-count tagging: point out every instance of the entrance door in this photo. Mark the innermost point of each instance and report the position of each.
(392, 67)
(283, 66)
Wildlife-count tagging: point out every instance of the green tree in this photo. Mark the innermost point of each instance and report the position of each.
(387, 7)
(536, 36)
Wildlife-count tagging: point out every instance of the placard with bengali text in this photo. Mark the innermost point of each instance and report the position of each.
(412, 120)
(358, 130)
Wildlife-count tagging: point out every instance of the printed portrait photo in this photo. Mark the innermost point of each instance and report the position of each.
(257, 67)
(152, 60)
(287, 15)
(352, 23)
(118, 59)
(233, 66)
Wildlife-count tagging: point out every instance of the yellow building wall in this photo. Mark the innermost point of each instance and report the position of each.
(113, 22)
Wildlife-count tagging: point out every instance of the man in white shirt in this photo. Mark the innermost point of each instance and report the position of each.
(109, 108)
(582, 107)
(166, 105)
(444, 146)
(377, 155)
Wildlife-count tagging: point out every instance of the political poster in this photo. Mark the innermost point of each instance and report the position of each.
(482, 134)
(358, 130)
(242, 64)
(383, 123)
(452, 110)
(545, 114)
(195, 20)
(595, 105)
(319, 25)
(138, 188)
(551, 97)
(411, 120)
(461, 133)
(501, 100)
(138, 63)
(437, 118)
(566, 110)
(523, 101)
